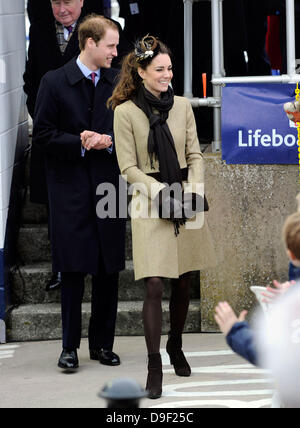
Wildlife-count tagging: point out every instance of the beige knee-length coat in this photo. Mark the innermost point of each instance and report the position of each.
(156, 249)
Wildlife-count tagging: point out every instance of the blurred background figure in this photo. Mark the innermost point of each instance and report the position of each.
(41, 9)
(278, 341)
(240, 337)
(123, 394)
(275, 340)
(107, 8)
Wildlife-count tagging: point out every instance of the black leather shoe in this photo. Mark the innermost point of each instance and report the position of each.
(95, 354)
(55, 282)
(68, 360)
(109, 358)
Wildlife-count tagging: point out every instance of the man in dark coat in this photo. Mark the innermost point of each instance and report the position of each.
(47, 50)
(41, 9)
(74, 129)
(53, 42)
(51, 45)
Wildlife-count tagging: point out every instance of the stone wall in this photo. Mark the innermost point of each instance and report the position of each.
(248, 206)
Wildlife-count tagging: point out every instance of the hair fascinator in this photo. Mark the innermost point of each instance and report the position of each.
(145, 48)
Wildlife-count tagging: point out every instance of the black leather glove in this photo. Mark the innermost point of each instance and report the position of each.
(184, 208)
(167, 206)
(192, 204)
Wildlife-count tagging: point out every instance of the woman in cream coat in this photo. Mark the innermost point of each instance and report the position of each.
(157, 145)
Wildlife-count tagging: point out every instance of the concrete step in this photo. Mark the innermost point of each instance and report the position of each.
(28, 285)
(34, 245)
(43, 322)
(33, 213)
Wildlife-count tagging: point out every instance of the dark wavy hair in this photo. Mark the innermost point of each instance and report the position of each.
(143, 54)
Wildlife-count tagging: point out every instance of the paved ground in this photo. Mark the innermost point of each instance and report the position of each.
(30, 377)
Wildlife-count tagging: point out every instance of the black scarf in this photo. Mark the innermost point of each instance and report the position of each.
(160, 140)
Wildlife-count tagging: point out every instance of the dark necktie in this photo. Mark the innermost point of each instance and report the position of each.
(70, 29)
(93, 76)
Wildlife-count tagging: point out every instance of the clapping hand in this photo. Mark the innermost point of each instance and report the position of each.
(279, 288)
(293, 111)
(226, 318)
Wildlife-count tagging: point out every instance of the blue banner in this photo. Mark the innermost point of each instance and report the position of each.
(255, 128)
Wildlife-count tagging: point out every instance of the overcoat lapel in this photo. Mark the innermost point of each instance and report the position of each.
(103, 92)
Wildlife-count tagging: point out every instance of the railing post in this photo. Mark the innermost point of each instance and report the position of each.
(188, 48)
(217, 71)
(291, 76)
(290, 37)
(223, 72)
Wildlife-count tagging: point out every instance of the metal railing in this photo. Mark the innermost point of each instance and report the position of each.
(218, 71)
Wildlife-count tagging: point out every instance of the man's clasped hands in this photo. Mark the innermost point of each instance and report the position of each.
(93, 140)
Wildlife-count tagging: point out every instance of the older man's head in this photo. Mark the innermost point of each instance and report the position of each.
(66, 11)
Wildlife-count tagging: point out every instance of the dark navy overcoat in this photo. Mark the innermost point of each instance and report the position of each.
(67, 104)
(44, 55)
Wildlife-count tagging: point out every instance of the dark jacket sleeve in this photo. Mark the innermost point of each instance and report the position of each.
(30, 77)
(47, 134)
(241, 340)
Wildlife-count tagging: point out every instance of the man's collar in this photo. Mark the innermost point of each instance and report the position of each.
(85, 70)
(72, 25)
(63, 26)
(74, 74)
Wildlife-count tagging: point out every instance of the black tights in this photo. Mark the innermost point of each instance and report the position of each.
(152, 310)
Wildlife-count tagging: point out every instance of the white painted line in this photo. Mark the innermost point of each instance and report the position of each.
(220, 393)
(173, 390)
(234, 404)
(166, 359)
(4, 347)
(7, 351)
(215, 383)
(232, 369)
(204, 353)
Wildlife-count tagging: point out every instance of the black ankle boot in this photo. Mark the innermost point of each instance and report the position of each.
(177, 358)
(155, 376)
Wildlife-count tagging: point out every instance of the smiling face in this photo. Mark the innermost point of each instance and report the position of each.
(102, 53)
(66, 11)
(158, 74)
